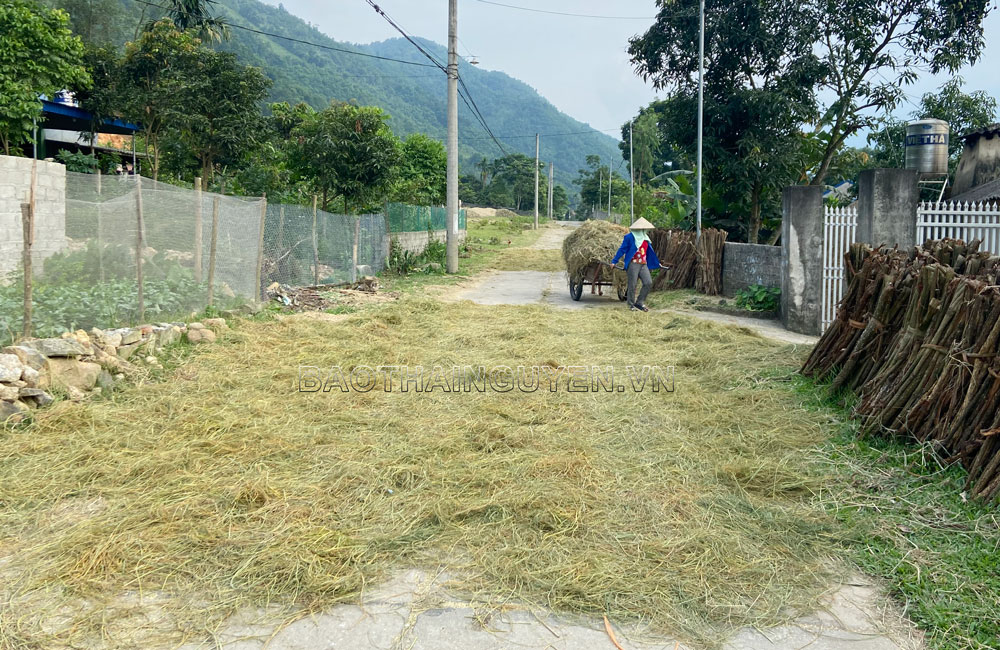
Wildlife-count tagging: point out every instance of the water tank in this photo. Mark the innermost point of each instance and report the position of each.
(927, 146)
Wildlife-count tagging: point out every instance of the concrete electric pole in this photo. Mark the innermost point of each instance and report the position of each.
(536, 181)
(451, 238)
(701, 109)
(631, 171)
(552, 178)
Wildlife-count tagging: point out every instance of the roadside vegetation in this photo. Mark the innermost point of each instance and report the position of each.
(911, 527)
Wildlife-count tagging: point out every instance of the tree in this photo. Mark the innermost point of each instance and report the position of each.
(221, 119)
(346, 150)
(963, 113)
(422, 178)
(872, 48)
(593, 183)
(153, 79)
(645, 144)
(38, 56)
(194, 15)
(761, 72)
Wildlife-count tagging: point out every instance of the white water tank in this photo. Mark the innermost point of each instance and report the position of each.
(927, 146)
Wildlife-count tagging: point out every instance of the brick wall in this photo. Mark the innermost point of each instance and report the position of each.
(744, 265)
(50, 210)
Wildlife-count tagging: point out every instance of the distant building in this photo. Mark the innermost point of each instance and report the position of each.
(978, 175)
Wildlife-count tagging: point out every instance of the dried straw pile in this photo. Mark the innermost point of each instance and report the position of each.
(594, 241)
(150, 518)
(917, 336)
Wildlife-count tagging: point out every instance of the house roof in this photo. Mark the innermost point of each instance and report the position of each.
(73, 118)
(989, 191)
(986, 131)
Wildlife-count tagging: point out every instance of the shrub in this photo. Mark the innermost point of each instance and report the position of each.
(757, 297)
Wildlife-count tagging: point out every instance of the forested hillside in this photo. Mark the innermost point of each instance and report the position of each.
(414, 96)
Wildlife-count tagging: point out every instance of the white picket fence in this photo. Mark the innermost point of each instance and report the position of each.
(965, 221)
(839, 228)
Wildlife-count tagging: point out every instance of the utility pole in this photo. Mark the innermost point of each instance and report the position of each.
(610, 176)
(701, 109)
(552, 178)
(536, 181)
(631, 169)
(600, 185)
(451, 238)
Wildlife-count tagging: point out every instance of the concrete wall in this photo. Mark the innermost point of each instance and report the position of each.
(50, 210)
(887, 207)
(744, 265)
(980, 162)
(416, 242)
(802, 258)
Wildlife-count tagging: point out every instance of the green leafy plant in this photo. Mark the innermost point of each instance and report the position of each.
(757, 297)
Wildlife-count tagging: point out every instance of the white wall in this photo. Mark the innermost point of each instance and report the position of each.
(50, 210)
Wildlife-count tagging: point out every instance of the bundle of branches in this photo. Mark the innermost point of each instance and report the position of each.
(709, 274)
(594, 241)
(675, 248)
(918, 337)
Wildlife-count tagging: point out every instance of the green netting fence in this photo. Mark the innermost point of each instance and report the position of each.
(419, 218)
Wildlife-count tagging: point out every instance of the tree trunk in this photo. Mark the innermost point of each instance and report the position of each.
(324, 199)
(207, 169)
(156, 157)
(753, 228)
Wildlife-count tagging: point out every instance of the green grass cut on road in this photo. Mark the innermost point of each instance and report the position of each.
(149, 518)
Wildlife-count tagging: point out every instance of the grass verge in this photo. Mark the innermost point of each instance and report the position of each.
(152, 517)
(938, 554)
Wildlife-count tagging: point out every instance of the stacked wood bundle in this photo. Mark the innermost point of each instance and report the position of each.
(709, 275)
(917, 337)
(675, 248)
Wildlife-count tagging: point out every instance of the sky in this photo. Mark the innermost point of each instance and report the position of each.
(579, 64)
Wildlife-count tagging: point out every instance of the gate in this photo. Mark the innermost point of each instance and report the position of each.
(839, 227)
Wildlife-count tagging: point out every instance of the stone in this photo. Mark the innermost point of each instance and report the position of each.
(167, 335)
(151, 360)
(57, 347)
(9, 393)
(434, 266)
(75, 394)
(31, 377)
(10, 367)
(105, 380)
(217, 323)
(35, 396)
(71, 373)
(127, 351)
(196, 326)
(363, 270)
(200, 336)
(30, 357)
(12, 412)
(112, 339)
(130, 336)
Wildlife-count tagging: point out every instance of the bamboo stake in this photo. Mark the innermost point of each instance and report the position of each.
(260, 248)
(212, 247)
(138, 247)
(315, 243)
(28, 239)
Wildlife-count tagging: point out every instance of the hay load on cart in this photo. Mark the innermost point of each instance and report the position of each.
(587, 253)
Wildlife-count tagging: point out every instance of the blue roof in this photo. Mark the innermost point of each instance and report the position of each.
(73, 118)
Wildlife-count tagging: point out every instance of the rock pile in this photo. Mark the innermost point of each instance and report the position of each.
(81, 363)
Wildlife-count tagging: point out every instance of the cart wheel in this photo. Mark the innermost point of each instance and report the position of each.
(576, 289)
(622, 293)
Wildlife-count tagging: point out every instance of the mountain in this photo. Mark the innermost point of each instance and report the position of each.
(413, 96)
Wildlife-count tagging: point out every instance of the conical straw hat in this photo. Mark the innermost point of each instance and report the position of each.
(641, 224)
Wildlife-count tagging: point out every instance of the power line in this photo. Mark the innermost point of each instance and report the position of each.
(563, 13)
(466, 97)
(303, 42)
(557, 135)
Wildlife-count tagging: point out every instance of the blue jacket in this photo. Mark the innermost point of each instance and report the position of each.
(628, 249)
